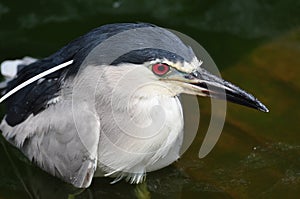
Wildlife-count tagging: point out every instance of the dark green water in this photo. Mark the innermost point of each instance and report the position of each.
(255, 44)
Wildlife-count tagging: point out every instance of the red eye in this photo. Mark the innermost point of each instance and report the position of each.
(160, 69)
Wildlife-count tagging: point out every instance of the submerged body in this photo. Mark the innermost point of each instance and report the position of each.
(115, 110)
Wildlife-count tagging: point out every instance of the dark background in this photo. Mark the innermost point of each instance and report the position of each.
(255, 44)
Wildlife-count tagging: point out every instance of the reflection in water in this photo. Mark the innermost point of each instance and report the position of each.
(264, 163)
(141, 191)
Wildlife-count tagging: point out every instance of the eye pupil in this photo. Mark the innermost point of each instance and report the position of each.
(160, 69)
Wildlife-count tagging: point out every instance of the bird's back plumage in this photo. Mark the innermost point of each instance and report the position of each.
(34, 97)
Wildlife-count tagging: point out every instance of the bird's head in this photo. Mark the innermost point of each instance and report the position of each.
(160, 63)
(171, 74)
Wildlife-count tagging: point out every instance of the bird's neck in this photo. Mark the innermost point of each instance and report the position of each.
(144, 136)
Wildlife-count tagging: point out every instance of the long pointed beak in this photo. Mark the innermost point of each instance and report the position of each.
(215, 87)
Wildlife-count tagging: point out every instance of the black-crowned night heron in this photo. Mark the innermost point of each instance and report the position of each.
(87, 117)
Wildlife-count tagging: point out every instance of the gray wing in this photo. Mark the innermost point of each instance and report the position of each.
(62, 140)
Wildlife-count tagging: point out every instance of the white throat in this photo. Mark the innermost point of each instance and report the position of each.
(151, 141)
